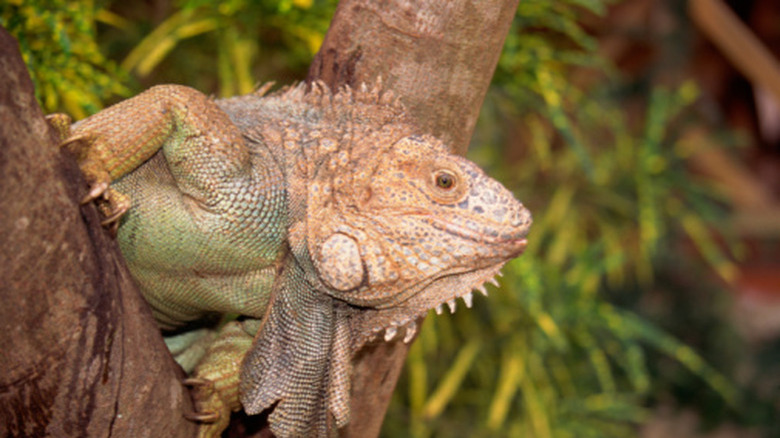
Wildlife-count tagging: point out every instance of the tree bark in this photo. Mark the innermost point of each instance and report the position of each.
(79, 352)
(437, 55)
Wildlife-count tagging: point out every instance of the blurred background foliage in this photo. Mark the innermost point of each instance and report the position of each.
(619, 308)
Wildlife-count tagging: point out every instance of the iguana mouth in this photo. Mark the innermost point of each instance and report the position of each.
(515, 238)
(461, 287)
(513, 235)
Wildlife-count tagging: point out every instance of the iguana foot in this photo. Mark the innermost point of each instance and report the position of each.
(214, 381)
(112, 204)
(210, 410)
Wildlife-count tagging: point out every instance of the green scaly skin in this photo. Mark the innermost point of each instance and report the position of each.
(319, 221)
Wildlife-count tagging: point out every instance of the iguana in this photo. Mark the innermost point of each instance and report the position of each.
(318, 221)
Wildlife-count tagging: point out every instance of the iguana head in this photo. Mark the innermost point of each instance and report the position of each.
(417, 228)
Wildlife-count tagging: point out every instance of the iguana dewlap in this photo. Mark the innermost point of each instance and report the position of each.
(323, 221)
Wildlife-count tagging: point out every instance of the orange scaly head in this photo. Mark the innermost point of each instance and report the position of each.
(420, 228)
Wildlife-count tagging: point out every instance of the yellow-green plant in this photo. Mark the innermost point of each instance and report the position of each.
(75, 74)
(233, 31)
(57, 41)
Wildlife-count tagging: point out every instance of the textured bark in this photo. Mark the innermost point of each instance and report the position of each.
(438, 56)
(79, 352)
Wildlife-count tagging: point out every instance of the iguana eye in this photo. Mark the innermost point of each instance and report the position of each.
(447, 183)
(445, 180)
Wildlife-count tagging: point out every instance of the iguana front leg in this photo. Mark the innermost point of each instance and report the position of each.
(200, 142)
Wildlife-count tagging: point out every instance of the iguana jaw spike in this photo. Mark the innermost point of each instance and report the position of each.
(405, 321)
(468, 299)
(468, 296)
(452, 305)
(410, 331)
(390, 333)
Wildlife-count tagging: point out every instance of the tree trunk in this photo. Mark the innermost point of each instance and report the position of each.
(80, 353)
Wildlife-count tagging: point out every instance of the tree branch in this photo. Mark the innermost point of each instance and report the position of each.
(438, 55)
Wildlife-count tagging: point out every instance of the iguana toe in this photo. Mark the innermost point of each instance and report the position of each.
(194, 382)
(95, 192)
(210, 409)
(211, 423)
(202, 417)
(118, 204)
(61, 123)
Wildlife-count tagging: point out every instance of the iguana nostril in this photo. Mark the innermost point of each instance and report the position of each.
(516, 220)
(520, 217)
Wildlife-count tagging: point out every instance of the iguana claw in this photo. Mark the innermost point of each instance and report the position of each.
(202, 417)
(119, 204)
(198, 382)
(68, 139)
(95, 192)
(115, 206)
